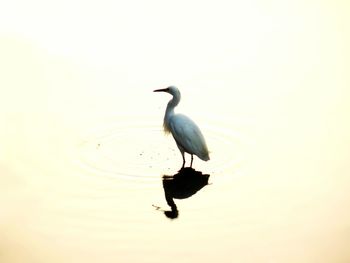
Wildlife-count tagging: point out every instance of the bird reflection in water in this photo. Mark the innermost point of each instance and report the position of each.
(182, 185)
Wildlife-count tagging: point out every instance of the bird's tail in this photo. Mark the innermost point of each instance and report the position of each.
(205, 157)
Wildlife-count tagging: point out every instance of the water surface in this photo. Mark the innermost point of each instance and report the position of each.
(87, 174)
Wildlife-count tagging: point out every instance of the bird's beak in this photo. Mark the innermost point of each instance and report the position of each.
(159, 90)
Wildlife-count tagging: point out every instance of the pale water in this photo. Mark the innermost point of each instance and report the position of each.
(87, 174)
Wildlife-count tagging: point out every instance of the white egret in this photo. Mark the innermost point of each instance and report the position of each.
(186, 133)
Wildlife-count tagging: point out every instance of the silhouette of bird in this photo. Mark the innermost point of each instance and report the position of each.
(186, 133)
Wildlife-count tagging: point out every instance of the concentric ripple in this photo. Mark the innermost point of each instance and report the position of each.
(130, 149)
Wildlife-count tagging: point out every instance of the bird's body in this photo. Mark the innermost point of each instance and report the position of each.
(186, 133)
(188, 136)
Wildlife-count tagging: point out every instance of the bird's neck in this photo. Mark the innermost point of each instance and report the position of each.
(170, 111)
(171, 106)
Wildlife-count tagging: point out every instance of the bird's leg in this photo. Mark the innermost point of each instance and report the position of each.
(191, 160)
(183, 159)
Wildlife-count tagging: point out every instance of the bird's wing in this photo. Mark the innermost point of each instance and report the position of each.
(187, 134)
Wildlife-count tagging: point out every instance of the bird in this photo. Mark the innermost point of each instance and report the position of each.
(187, 135)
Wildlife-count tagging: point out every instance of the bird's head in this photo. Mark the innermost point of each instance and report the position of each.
(171, 90)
